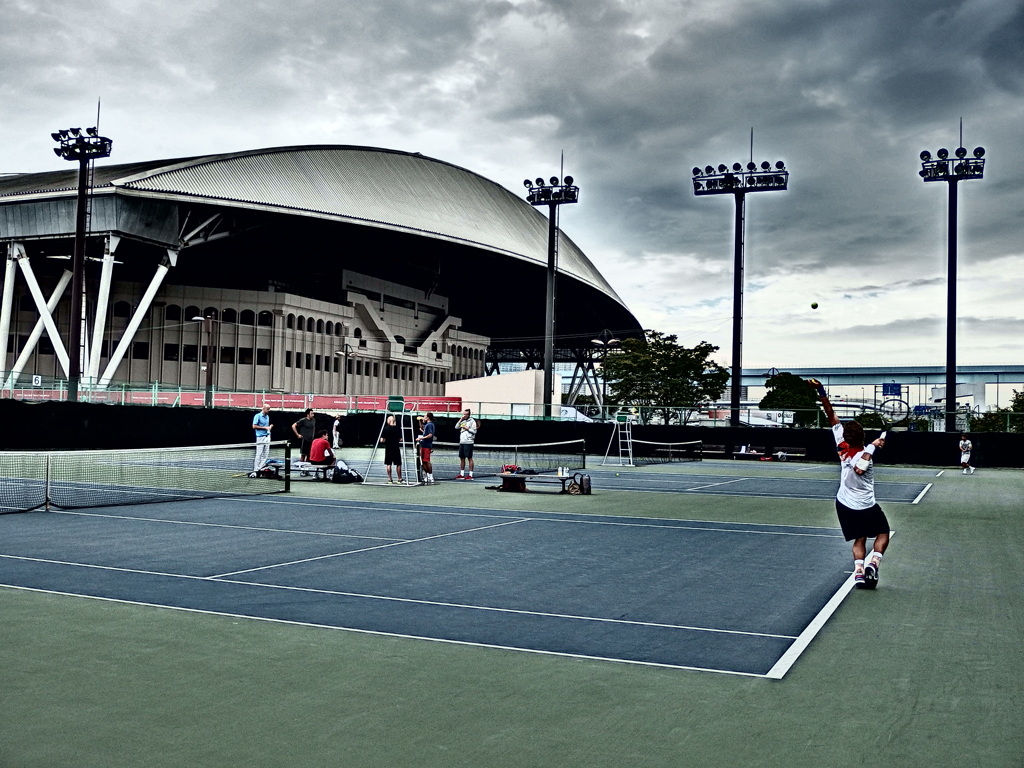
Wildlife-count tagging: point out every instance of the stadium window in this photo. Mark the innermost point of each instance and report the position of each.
(227, 354)
(309, 361)
(329, 328)
(348, 365)
(288, 358)
(318, 363)
(140, 350)
(247, 317)
(290, 322)
(422, 375)
(46, 346)
(357, 333)
(319, 326)
(300, 322)
(122, 309)
(245, 355)
(190, 353)
(172, 352)
(265, 319)
(376, 370)
(229, 316)
(172, 312)
(210, 312)
(337, 364)
(310, 325)
(387, 371)
(359, 367)
(262, 356)
(190, 311)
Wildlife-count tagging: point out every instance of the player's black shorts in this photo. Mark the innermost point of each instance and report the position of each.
(392, 455)
(465, 450)
(861, 523)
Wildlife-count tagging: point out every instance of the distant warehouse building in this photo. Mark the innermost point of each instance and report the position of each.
(326, 269)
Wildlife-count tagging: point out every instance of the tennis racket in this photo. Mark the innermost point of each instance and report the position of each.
(894, 411)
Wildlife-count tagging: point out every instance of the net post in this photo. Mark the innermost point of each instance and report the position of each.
(287, 466)
(46, 486)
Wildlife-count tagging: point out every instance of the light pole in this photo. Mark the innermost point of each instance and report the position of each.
(83, 147)
(942, 168)
(558, 193)
(738, 182)
(604, 342)
(208, 329)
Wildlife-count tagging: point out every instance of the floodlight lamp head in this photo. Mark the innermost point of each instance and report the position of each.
(697, 171)
(554, 181)
(722, 168)
(92, 131)
(961, 152)
(569, 180)
(926, 156)
(709, 170)
(943, 153)
(539, 181)
(57, 152)
(751, 166)
(979, 152)
(527, 183)
(56, 136)
(766, 166)
(737, 167)
(779, 165)
(75, 131)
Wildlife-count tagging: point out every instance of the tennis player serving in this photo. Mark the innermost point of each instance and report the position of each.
(860, 517)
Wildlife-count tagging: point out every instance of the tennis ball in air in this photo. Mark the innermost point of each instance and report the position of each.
(814, 305)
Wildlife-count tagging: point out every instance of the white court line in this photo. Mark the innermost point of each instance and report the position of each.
(715, 485)
(788, 659)
(941, 473)
(922, 493)
(367, 549)
(402, 636)
(134, 518)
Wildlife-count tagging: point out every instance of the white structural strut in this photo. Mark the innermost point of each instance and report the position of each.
(44, 313)
(102, 302)
(7, 305)
(136, 320)
(37, 330)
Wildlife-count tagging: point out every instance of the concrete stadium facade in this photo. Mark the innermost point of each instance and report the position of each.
(328, 269)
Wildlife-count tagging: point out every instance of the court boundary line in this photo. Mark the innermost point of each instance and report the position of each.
(799, 646)
(396, 635)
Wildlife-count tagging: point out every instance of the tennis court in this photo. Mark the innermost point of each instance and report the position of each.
(616, 588)
(531, 595)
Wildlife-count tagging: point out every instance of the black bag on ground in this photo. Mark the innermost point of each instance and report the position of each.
(344, 474)
(583, 481)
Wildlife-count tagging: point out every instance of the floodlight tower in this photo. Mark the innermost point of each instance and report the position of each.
(84, 147)
(553, 195)
(942, 168)
(738, 182)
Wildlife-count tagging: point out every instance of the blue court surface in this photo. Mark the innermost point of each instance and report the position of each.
(691, 595)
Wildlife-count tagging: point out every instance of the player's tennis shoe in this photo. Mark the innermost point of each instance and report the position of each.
(870, 576)
(858, 581)
(460, 476)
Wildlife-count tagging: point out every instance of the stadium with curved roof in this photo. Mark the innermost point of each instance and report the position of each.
(408, 270)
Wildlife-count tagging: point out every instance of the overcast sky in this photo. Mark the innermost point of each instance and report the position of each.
(635, 93)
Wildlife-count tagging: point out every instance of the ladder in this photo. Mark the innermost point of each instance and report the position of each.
(375, 473)
(623, 432)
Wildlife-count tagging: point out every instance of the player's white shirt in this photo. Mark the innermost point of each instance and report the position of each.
(855, 491)
(965, 450)
(467, 435)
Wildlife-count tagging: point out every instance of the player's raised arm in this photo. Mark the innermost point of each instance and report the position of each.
(825, 404)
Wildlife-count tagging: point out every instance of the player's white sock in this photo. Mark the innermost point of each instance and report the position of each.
(876, 558)
(470, 473)
(858, 566)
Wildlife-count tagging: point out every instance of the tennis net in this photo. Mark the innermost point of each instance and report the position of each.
(488, 460)
(646, 452)
(79, 479)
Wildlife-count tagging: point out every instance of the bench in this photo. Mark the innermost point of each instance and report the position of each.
(517, 482)
(713, 450)
(308, 469)
(754, 452)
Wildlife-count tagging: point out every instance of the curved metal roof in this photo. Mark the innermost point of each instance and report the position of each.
(400, 191)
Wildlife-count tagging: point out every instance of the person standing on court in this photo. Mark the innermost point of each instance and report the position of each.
(965, 455)
(391, 436)
(336, 431)
(467, 428)
(261, 426)
(860, 517)
(305, 430)
(426, 441)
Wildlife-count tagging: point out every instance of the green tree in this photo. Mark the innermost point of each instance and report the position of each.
(1002, 419)
(656, 371)
(789, 392)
